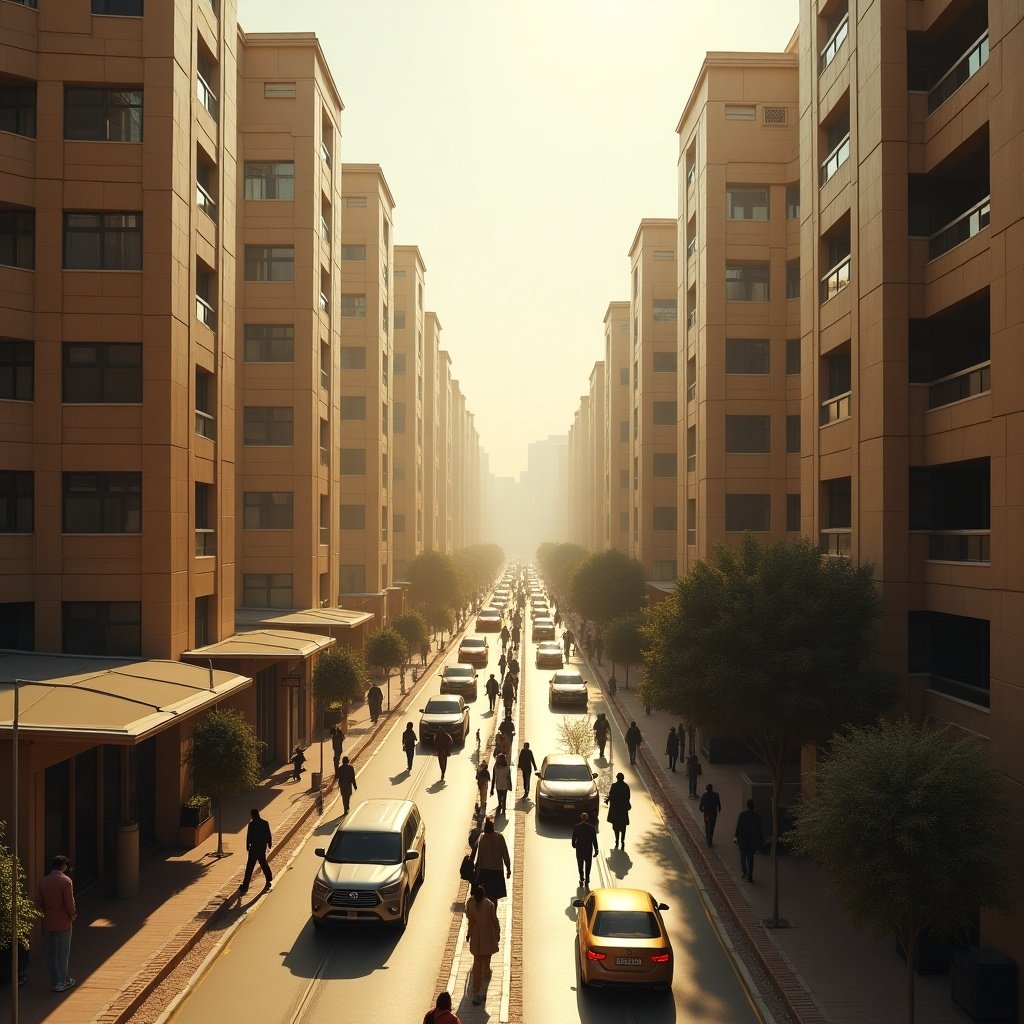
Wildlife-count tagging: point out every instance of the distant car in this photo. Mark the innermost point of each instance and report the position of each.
(488, 622)
(543, 629)
(549, 654)
(566, 785)
(460, 679)
(622, 940)
(444, 714)
(538, 600)
(567, 687)
(474, 650)
(540, 611)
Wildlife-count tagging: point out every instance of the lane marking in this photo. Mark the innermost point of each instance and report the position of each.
(307, 996)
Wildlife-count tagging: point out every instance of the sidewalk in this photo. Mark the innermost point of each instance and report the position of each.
(123, 948)
(831, 970)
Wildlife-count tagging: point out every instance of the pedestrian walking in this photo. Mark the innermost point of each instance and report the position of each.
(507, 728)
(613, 684)
(375, 702)
(566, 643)
(442, 1011)
(337, 745)
(710, 806)
(516, 634)
(598, 648)
(298, 759)
(424, 651)
(491, 857)
(56, 899)
(618, 809)
(693, 769)
(257, 844)
(346, 782)
(672, 748)
(442, 747)
(513, 668)
(584, 842)
(409, 745)
(602, 729)
(749, 838)
(483, 932)
(505, 637)
(483, 783)
(634, 737)
(501, 745)
(527, 766)
(501, 780)
(508, 694)
(491, 688)
(502, 662)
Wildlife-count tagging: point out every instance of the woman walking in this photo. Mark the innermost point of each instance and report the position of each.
(618, 809)
(484, 933)
(483, 782)
(491, 857)
(502, 782)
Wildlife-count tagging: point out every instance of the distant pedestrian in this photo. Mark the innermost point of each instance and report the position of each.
(502, 662)
(618, 809)
(502, 745)
(337, 745)
(483, 783)
(375, 702)
(672, 748)
(584, 842)
(602, 729)
(257, 844)
(409, 745)
(483, 933)
(508, 729)
(298, 760)
(613, 684)
(693, 770)
(598, 648)
(501, 780)
(491, 857)
(56, 899)
(516, 634)
(424, 651)
(527, 766)
(634, 737)
(505, 637)
(442, 1012)
(710, 806)
(491, 688)
(346, 782)
(443, 744)
(749, 838)
(508, 694)
(513, 668)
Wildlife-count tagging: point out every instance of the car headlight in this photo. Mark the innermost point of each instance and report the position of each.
(390, 890)
(320, 890)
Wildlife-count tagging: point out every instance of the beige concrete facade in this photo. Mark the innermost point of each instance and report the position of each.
(654, 404)
(597, 504)
(434, 469)
(739, 301)
(618, 409)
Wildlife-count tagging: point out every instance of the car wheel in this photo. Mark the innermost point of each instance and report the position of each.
(584, 983)
(403, 921)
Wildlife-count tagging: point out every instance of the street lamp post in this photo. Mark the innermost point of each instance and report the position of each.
(14, 856)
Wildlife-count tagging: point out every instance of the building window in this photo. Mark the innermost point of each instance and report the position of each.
(268, 425)
(384, 322)
(748, 434)
(353, 462)
(793, 202)
(352, 407)
(18, 626)
(354, 201)
(270, 180)
(18, 238)
(353, 306)
(792, 513)
(398, 525)
(18, 110)
(664, 362)
(793, 435)
(398, 422)
(269, 343)
(267, 510)
(664, 517)
(747, 355)
(664, 414)
(792, 356)
(793, 279)
(352, 517)
(102, 502)
(744, 202)
(102, 115)
(748, 512)
(352, 579)
(399, 321)
(102, 373)
(664, 254)
(664, 464)
(740, 112)
(624, 478)
(664, 311)
(691, 522)
(624, 430)
(624, 521)
(270, 263)
(624, 376)
(354, 253)
(664, 570)
(353, 357)
(399, 364)
(691, 449)
(206, 423)
(267, 590)
(121, 8)
(279, 91)
(17, 364)
(16, 501)
(109, 628)
(102, 241)
(747, 282)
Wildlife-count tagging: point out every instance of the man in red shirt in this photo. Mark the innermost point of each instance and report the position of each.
(57, 902)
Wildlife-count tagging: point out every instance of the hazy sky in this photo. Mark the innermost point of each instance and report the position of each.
(523, 141)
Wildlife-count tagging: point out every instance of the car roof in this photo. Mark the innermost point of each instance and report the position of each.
(459, 669)
(568, 675)
(479, 640)
(453, 698)
(565, 759)
(379, 815)
(623, 899)
(550, 643)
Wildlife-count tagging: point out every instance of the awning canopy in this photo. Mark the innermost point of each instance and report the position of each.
(264, 643)
(309, 618)
(105, 700)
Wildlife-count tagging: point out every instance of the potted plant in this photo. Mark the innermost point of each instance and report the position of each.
(195, 810)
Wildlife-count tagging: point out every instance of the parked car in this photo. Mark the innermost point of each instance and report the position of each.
(540, 611)
(567, 687)
(444, 714)
(460, 679)
(566, 785)
(488, 621)
(622, 940)
(549, 654)
(543, 629)
(474, 650)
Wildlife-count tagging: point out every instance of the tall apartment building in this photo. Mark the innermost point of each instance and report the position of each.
(434, 468)
(445, 454)
(545, 489)
(653, 316)
(577, 454)
(739, 285)
(457, 474)
(408, 418)
(596, 495)
(366, 390)
(911, 224)
(618, 411)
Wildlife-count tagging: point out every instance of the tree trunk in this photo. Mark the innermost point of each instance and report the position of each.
(777, 773)
(220, 827)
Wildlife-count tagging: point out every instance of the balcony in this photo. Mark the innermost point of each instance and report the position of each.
(691, 463)
(325, 154)
(325, 303)
(975, 380)
(691, 318)
(836, 542)
(835, 41)
(325, 535)
(206, 425)
(835, 409)
(206, 543)
(835, 160)
(325, 230)
(325, 379)
(835, 280)
(206, 314)
(691, 537)
(206, 202)
(323, 456)
(966, 226)
(691, 173)
(962, 71)
(691, 391)
(206, 96)
(691, 247)
(959, 546)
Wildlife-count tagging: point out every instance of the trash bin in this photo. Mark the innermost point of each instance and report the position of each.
(315, 781)
(126, 883)
(983, 983)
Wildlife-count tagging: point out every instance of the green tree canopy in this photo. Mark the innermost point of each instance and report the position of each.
(557, 562)
(768, 643)
(607, 585)
(477, 565)
(911, 828)
(412, 628)
(440, 618)
(624, 641)
(386, 649)
(223, 756)
(339, 677)
(12, 874)
(434, 581)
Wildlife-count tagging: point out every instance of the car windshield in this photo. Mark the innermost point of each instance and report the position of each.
(567, 773)
(458, 670)
(626, 924)
(567, 679)
(473, 643)
(442, 707)
(365, 848)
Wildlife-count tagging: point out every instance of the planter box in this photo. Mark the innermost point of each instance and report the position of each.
(191, 836)
(193, 817)
(983, 983)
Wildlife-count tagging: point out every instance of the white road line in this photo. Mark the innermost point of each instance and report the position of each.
(307, 995)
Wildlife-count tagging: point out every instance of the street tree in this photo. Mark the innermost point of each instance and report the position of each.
(557, 562)
(434, 581)
(576, 734)
(607, 585)
(223, 756)
(412, 628)
(440, 619)
(477, 565)
(768, 643)
(386, 650)
(910, 826)
(339, 677)
(624, 641)
(12, 883)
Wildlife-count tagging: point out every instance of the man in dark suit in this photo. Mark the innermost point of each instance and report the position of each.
(584, 842)
(749, 838)
(257, 843)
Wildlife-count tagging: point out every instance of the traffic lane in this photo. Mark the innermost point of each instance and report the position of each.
(276, 964)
